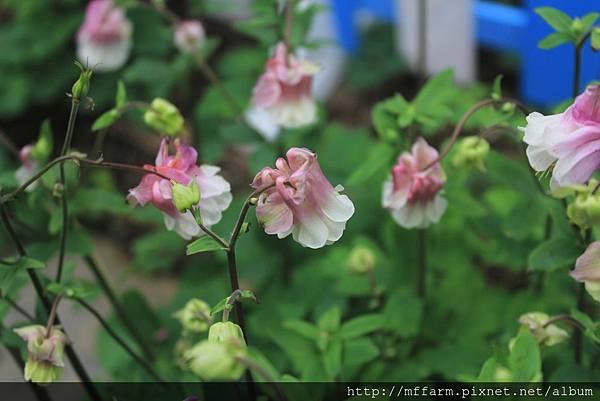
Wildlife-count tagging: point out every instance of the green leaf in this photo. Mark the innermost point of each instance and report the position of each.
(378, 158)
(106, 120)
(524, 360)
(333, 359)
(596, 39)
(203, 244)
(588, 21)
(330, 320)
(591, 328)
(10, 271)
(362, 325)
(554, 254)
(553, 40)
(555, 18)
(437, 90)
(359, 351)
(121, 96)
(224, 304)
(497, 87)
(403, 314)
(305, 329)
(74, 289)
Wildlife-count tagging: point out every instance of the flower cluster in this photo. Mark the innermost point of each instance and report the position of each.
(282, 95)
(567, 143)
(104, 38)
(412, 193)
(215, 195)
(298, 199)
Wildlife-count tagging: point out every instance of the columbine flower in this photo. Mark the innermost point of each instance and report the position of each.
(281, 97)
(215, 195)
(215, 360)
(45, 360)
(301, 201)
(28, 167)
(412, 193)
(104, 38)
(569, 142)
(587, 270)
(189, 36)
(547, 335)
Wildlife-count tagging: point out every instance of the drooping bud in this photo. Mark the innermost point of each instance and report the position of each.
(587, 270)
(81, 87)
(547, 335)
(471, 153)
(164, 117)
(189, 36)
(185, 197)
(194, 316)
(45, 360)
(227, 332)
(361, 260)
(584, 210)
(215, 361)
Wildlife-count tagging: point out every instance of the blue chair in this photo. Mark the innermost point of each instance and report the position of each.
(546, 75)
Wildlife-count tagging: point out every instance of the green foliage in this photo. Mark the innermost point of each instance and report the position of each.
(568, 30)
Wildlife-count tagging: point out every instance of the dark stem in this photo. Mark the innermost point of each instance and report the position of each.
(118, 307)
(18, 308)
(250, 364)
(52, 316)
(567, 319)
(141, 361)
(422, 263)
(208, 231)
(577, 69)
(231, 300)
(39, 289)
(64, 197)
(577, 336)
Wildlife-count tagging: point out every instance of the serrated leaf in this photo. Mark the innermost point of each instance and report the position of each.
(361, 325)
(121, 96)
(553, 40)
(106, 120)
(203, 244)
(554, 254)
(555, 18)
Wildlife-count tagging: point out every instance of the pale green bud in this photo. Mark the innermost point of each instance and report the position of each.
(577, 26)
(227, 332)
(546, 335)
(194, 316)
(593, 288)
(185, 197)
(41, 372)
(471, 153)
(215, 361)
(361, 260)
(81, 87)
(584, 210)
(164, 117)
(45, 360)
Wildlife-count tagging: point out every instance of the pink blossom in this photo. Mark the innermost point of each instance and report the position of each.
(282, 95)
(567, 143)
(299, 200)
(412, 193)
(215, 195)
(587, 270)
(104, 38)
(189, 36)
(28, 167)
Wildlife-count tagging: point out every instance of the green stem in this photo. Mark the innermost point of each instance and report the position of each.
(18, 308)
(577, 336)
(118, 308)
(52, 316)
(141, 361)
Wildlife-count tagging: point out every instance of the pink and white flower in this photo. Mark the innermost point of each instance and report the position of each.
(299, 200)
(569, 142)
(104, 39)
(28, 167)
(587, 270)
(412, 193)
(215, 192)
(282, 95)
(189, 36)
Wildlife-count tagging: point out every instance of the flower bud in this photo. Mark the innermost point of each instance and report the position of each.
(215, 361)
(584, 210)
(587, 270)
(164, 117)
(577, 26)
(81, 87)
(194, 316)
(45, 360)
(545, 335)
(361, 260)
(471, 153)
(227, 332)
(185, 197)
(189, 36)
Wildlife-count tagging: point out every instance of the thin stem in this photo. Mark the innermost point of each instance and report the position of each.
(578, 337)
(64, 196)
(251, 364)
(94, 163)
(118, 307)
(463, 120)
(422, 263)
(5, 140)
(52, 316)
(208, 231)
(577, 64)
(231, 300)
(39, 289)
(18, 308)
(145, 365)
(567, 319)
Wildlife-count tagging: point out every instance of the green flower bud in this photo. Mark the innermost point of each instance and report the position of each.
(215, 361)
(41, 372)
(546, 335)
(164, 117)
(42, 149)
(81, 87)
(194, 316)
(577, 26)
(185, 197)
(227, 332)
(471, 153)
(361, 260)
(45, 361)
(584, 210)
